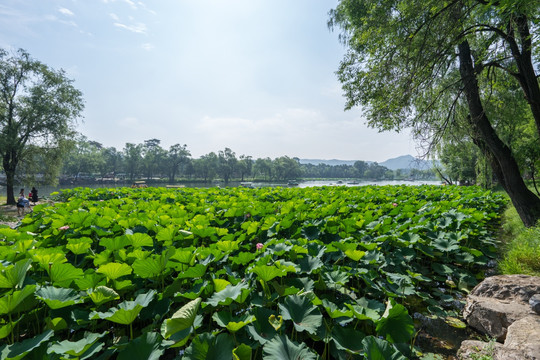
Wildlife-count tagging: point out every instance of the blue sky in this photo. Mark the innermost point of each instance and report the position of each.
(257, 76)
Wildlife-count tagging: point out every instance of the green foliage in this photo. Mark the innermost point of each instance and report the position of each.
(337, 270)
(521, 251)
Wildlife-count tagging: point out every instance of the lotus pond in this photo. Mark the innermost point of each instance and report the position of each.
(238, 273)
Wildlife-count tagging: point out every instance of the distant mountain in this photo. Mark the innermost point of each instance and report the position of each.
(332, 162)
(407, 162)
(400, 162)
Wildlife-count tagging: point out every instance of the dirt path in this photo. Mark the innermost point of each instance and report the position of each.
(9, 216)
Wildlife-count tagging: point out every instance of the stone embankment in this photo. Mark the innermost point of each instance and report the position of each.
(505, 308)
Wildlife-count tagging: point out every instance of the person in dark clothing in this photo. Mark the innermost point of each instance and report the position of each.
(34, 195)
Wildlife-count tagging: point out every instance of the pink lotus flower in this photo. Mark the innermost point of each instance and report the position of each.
(394, 204)
(259, 246)
(65, 227)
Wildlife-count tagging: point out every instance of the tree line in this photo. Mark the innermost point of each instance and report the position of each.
(89, 160)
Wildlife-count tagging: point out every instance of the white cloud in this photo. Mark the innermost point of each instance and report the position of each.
(138, 28)
(66, 12)
(114, 17)
(147, 46)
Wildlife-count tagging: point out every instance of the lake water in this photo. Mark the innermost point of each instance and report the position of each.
(47, 190)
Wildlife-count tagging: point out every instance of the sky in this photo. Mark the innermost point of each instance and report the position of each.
(256, 76)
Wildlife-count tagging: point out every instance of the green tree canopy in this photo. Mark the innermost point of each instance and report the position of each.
(433, 65)
(38, 110)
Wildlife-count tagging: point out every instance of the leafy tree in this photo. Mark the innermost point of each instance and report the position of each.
(85, 158)
(177, 156)
(428, 65)
(205, 167)
(245, 166)
(227, 164)
(263, 167)
(286, 168)
(154, 158)
(113, 161)
(38, 109)
(133, 159)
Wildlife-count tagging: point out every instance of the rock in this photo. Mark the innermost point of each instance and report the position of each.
(492, 317)
(473, 350)
(534, 301)
(508, 287)
(498, 301)
(524, 335)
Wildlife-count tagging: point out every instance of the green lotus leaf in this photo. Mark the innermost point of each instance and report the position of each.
(335, 312)
(395, 325)
(308, 264)
(166, 234)
(446, 242)
(114, 271)
(46, 257)
(193, 272)
(76, 348)
(181, 319)
(6, 329)
(379, 349)
(90, 280)
(10, 301)
(56, 324)
(116, 243)
(242, 352)
(281, 348)
(263, 329)
(366, 309)
(227, 246)
(102, 294)
(13, 276)
(335, 277)
(63, 274)
(209, 347)
(243, 258)
(146, 346)
(127, 311)
(347, 339)
(232, 323)
(304, 315)
(275, 321)
(79, 246)
(229, 294)
(267, 273)
(139, 240)
(20, 350)
(147, 268)
(220, 284)
(57, 298)
(355, 255)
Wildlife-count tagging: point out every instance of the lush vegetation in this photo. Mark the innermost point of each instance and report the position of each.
(90, 161)
(236, 273)
(520, 253)
(458, 73)
(38, 109)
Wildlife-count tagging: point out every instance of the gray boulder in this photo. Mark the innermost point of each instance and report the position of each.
(501, 307)
(498, 301)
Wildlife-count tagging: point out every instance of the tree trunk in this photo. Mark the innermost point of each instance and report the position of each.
(504, 164)
(9, 165)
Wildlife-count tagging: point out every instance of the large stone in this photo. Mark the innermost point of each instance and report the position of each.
(518, 288)
(492, 317)
(534, 301)
(498, 301)
(524, 335)
(473, 349)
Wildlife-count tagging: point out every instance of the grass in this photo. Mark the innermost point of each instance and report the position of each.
(521, 250)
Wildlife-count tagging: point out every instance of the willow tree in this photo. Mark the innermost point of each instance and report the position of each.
(38, 110)
(432, 65)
